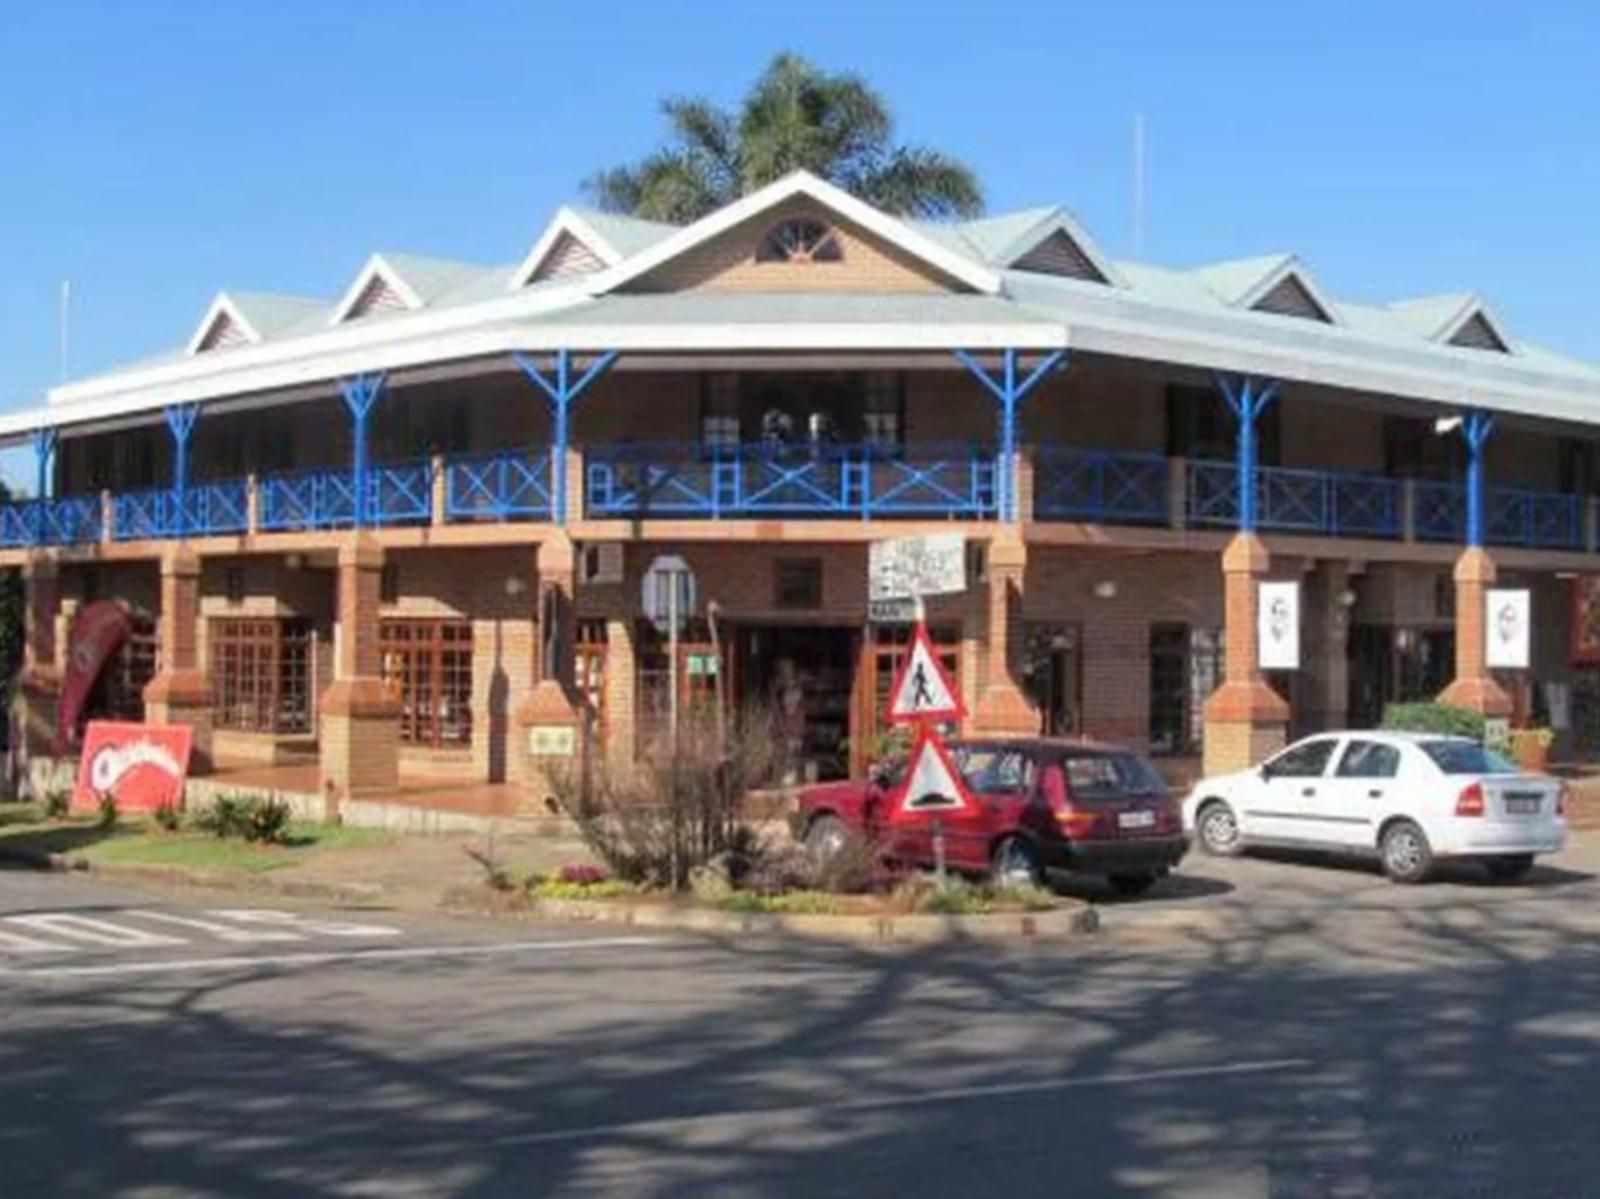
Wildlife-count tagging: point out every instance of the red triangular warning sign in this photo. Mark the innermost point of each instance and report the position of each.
(924, 690)
(931, 783)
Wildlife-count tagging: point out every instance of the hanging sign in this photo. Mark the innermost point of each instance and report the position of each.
(932, 783)
(97, 631)
(924, 690)
(1506, 625)
(907, 567)
(1278, 626)
(1585, 637)
(141, 766)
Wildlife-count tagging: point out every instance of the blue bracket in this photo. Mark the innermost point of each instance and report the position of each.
(361, 395)
(180, 423)
(562, 391)
(1010, 393)
(1476, 427)
(1248, 398)
(44, 448)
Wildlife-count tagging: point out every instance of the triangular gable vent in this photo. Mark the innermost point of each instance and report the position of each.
(1290, 297)
(1058, 254)
(224, 333)
(1478, 334)
(377, 296)
(567, 258)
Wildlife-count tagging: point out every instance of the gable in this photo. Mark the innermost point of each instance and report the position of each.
(735, 260)
(1058, 254)
(1476, 333)
(223, 333)
(1291, 297)
(567, 257)
(377, 296)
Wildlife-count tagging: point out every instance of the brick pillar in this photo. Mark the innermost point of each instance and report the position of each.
(1473, 687)
(621, 695)
(1245, 720)
(180, 692)
(1002, 707)
(360, 729)
(40, 680)
(547, 725)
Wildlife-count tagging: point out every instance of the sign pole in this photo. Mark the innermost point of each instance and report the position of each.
(672, 657)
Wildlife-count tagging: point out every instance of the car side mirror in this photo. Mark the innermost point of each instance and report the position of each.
(1265, 771)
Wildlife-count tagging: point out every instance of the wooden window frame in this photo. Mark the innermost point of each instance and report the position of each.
(427, 665)
(262, 672)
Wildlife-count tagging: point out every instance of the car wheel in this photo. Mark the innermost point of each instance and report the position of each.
(1407, 856)
(1219, 830)
(1015, 864)
(1132, 884)
(1509, 867)
(826, 838)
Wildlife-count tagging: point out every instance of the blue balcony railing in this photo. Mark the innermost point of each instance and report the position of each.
(504, 486)
(679, 479)
(1100, 485)
(1331, 503)
(209, 509)
(1512, 516)
(325, 499)
(71, 520)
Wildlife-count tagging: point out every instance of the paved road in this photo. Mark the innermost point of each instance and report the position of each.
(1317, 1033)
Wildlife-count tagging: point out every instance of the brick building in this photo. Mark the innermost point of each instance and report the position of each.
(394, 534)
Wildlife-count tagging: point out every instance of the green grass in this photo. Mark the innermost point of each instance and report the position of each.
(20, 813)
(139, 843)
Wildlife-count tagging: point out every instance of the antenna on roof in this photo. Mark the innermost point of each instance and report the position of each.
(66, 312)
(1138, 184)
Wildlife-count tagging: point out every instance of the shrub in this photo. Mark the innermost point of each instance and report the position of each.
(57, 803)
(581, 874)
(495, 875)
(1434, 718)
(108, 815)
(246, 817)
(554, 888)
(167, 817)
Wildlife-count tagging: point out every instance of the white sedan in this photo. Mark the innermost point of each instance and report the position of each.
(1411, 798)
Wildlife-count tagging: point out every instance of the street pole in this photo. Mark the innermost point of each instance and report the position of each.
(672, 656)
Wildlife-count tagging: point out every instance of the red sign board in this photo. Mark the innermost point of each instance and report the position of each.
(923, 691)
(141, 766)
(97, 630)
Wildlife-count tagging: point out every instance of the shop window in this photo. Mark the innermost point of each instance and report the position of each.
(797, 583)
(261, 672)
(1412, 449)
(389, 583)
(427, 666)
(700, 665)
(1200, 425)
(118, 694)
(719, 412)
(883, 417)
(1185, 668)
(589, 672)
(888, 647)
(1052, 673)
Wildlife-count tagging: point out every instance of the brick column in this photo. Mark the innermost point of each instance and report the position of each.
(1002, 707)
(360, 729)
(1245, 720)
(1473, 687)
(547, 725)
(40, 680)
(180, 692)
(621, 695)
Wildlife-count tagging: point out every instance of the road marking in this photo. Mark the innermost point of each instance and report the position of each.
(331, 957)
(325, 928)
(96, 932)
(222, 932)
(17, 943)
(926, 1098)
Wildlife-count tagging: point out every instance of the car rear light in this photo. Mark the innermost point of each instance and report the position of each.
(1076, 822)
(1470, 801)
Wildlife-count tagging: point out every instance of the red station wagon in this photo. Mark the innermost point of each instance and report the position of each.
(1041, 805)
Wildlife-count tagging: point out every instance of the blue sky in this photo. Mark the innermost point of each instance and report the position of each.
(156, 152)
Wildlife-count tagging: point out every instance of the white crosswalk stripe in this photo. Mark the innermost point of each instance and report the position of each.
(38, 933)
(222, 932)
(17, 943)
(96, 932)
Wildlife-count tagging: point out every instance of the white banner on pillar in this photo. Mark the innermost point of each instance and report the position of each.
(1278, 626)
(1507, 619)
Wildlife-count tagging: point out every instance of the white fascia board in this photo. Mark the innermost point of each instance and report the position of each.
(1290, 268)
(839, 201)
(377, 267)
(222, 306)
(569, 222)
(1062, 221)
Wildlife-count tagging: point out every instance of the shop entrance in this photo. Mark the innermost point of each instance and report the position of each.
(805, 676)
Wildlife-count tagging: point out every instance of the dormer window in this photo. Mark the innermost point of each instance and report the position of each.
(800, 240)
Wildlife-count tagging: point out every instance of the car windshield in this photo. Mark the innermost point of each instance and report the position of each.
(1466, 757)
(1110, 776)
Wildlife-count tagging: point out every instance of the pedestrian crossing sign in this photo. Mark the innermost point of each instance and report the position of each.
(924, 690)
(932, 783)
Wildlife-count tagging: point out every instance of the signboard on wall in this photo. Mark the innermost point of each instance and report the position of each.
(1506, 628)
(1278, 626)
(141, 766)
(1585, 647)
(903, 567)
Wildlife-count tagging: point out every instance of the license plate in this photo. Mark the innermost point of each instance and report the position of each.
(1136, 819)
(1522, 807)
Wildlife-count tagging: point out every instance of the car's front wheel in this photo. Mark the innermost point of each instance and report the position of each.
(826, 839)
(1407, 857)
(1219, 830)
(1509, 867)
(1015, 863)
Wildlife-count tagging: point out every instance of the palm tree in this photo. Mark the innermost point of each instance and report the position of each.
(795, 117)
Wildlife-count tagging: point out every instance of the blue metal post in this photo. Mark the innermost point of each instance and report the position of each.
(360, 397)
(44, 448)
(1475, 430)
(180, 423)
(562, 391)
(1248, 398)
(1009, 393)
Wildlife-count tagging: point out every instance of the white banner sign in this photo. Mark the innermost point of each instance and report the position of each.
(903, 567)
(1278, 626)
(1507, 621)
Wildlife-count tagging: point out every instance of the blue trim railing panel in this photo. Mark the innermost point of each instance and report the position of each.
(505, 486)
(209, 509)
(325, 499)
(1542, 519)
(1332, 503)
(682, 479)
(1100, 485)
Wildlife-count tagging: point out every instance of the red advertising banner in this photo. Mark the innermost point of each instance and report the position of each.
(141, 766)
(96, 632)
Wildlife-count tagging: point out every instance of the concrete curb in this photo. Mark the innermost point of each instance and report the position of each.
(37, 859)
(1070, 920)
(229, 880)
